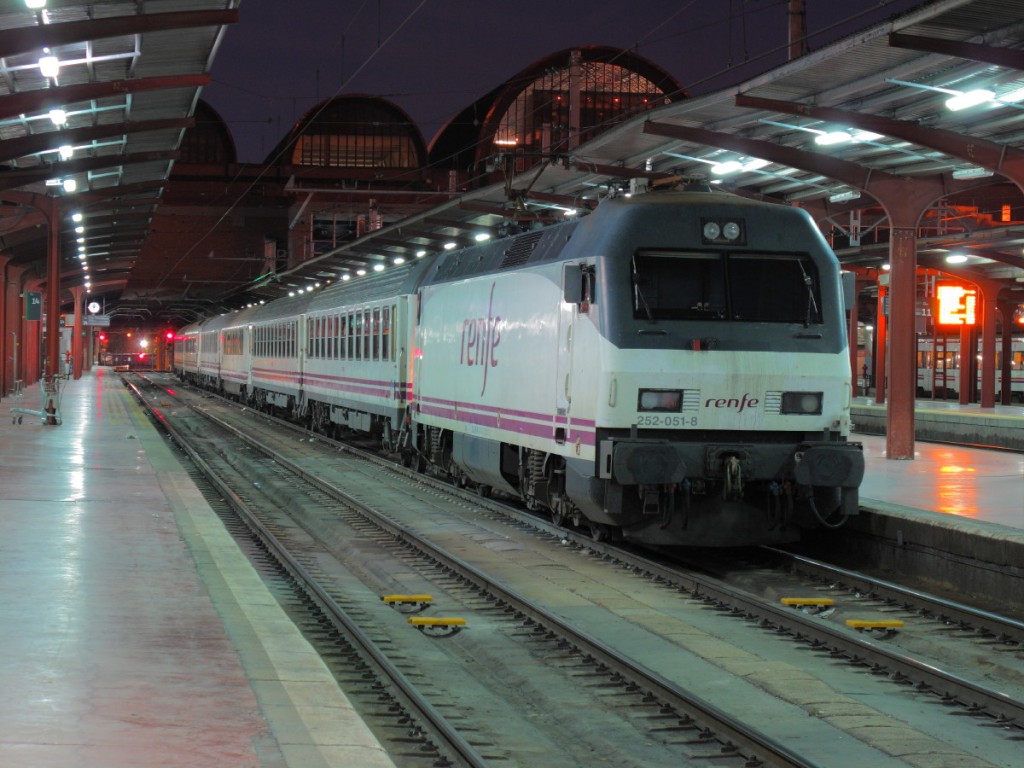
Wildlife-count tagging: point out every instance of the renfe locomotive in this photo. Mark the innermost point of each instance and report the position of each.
(672, 368)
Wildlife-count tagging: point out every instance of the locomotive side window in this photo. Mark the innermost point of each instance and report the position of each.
(775, 288)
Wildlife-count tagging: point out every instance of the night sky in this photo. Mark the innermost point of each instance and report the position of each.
(434, 57)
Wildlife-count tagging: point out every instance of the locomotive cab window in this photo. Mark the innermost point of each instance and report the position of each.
(758, 288)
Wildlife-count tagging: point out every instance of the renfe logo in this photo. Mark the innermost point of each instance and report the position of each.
(480, 339)
(731, 402)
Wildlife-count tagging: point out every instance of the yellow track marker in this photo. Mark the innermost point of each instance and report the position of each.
(882, 624)
(807, 601)
(407, 598)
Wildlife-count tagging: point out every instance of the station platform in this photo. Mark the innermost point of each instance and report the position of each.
(132, 630)
(948, 421)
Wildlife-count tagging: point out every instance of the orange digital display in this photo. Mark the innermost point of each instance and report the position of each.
(957, 305)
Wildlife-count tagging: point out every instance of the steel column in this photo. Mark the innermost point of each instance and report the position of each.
(899, 437)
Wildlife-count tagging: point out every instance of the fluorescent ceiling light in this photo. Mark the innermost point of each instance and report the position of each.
(832, 137)
(66, 153)
(866, 136)
(971, 173)
(58, 116)
(481, 237)
(70, 185)
(450, 245)
(969, 99)
(956, 258)
(34, 5)
(842, 197)
(1013, 96)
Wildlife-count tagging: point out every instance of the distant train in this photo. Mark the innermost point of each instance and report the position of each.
(672, 368)
(938, 371)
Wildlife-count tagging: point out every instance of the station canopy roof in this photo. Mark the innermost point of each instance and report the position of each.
(94, 100)
(934, 96)
(829, 131)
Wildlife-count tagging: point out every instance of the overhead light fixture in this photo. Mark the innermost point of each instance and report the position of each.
(58, 116)
(76, 216)
(971, 173)
(35, 5)
(969, 99)
(450, 245)
(420, 254)
(378, 267)
(755, 164)
(49, 66)
(70, 185)
(842, 197)
(79, 230)
(956, 258)
(729, 166)
(398, 260)
(66, 152)
(360, 272)
(481, 237)
(832, 137)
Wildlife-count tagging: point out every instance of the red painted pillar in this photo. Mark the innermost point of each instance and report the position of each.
(1005, 393)
(881, 369)
(76, 333)
(31, 341)
(988, 313)
(964, 385)
(899, 438)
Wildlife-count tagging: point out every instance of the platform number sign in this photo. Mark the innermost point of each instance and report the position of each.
(33, 305)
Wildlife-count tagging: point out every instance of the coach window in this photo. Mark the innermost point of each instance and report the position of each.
(376, 333)
(385, 331)
(366, 334)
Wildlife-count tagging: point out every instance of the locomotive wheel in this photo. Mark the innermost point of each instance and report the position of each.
(599, 531)
(484, 491)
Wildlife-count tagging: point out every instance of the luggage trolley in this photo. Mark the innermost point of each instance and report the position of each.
(49, 413)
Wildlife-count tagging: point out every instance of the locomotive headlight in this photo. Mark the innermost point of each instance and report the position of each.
(801, 402)
(670, 400)
(723, 231)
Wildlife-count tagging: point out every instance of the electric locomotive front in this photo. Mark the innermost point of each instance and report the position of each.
(723, 383)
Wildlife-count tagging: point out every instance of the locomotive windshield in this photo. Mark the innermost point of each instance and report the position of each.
(753, 288)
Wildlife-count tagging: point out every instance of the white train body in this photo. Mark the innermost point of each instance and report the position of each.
(938, 372)
(673, 367)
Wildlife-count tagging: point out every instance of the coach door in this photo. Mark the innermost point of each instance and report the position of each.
(571, 280)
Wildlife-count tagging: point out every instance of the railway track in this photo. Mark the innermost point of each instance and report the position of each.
(653, 718)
